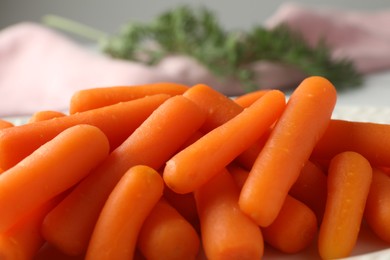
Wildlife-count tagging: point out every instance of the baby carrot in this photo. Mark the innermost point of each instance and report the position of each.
(116, 121)
(165, 234)
(310, 188)
(195, 165)
(48, 251)
(5, 124)
(51, 169)
(349, 179)
(377, 212)
(294, 229)
(372, 140)
(226, 232)
(70, 224)
(124, 212)
(92, 98)
(23, 240)
(45, 115)
(287, 149)
(248, 99)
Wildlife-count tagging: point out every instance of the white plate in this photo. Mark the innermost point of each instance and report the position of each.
(368, 247)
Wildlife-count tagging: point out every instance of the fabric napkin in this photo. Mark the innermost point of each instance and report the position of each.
(41, 68)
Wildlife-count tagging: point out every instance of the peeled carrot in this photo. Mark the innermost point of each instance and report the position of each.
(165, 234)
(92, 98)
(372, 140)
(116, 121)
(287, 149)
(349, 179)
(248, 99)
(70, 224)
(310, 188)
(226, 232)
(48, 251)
(294, 229)
(5, 124)
(195, 165)
(51, 169)
(377, 211)
(23, 240)
(124, 212)
(45, 115)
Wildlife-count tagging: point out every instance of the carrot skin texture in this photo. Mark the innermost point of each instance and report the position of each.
(377, 211)
(56, 166)
(165, 234)
(349, 179)
(70, 224)
(226, 232)
(116, 121)
(289, 146)
(294, 229)
(124, 212)
(87, 99)
(372, 140)
(193, 166)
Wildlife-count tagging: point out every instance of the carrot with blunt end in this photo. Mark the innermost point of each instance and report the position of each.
(51, 169)
(69, 225)
(124, 212)
(165, 234)
(116, 121)
(23, 240)
(199, 162)
(294, 229)
(226, 232)
(5, 124)
(45, 115)
(349, 179)
(377, 211)
(92, 98)
(289, 146)
(248, 99)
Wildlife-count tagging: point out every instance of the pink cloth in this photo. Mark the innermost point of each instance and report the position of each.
(40, 69)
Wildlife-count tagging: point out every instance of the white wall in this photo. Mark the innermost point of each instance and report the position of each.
(109, 15)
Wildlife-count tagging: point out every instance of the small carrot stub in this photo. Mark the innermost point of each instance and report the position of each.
(124, 212)
(45, 115)
(226, 232)
(248, 99)
(5, 124)
(92, 98)
(377, 212)
(165, 234)
(294, 229)
(349, 179)
(69, 225)
(50, 170)
(193, 166)
(289, 146)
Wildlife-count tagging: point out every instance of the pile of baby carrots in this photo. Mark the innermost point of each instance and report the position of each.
(168, 171)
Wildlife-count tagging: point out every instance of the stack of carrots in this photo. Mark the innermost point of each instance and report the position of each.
(167, 171)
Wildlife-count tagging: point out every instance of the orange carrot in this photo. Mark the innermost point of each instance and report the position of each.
(124, 212)
(294, 229)
(195, 165)
(92, 98)
(287, 149)
(45, 115)
(349, 180)
(377, 212)
(116, 121)
(238, 173)
(310, 188)
(5, 124)
(50, 170)
(248, 99)
(70, 224)
(372, 140)
(23, 240)
(218, 107)
(48, 251)
(226, 232)
(165, 234)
